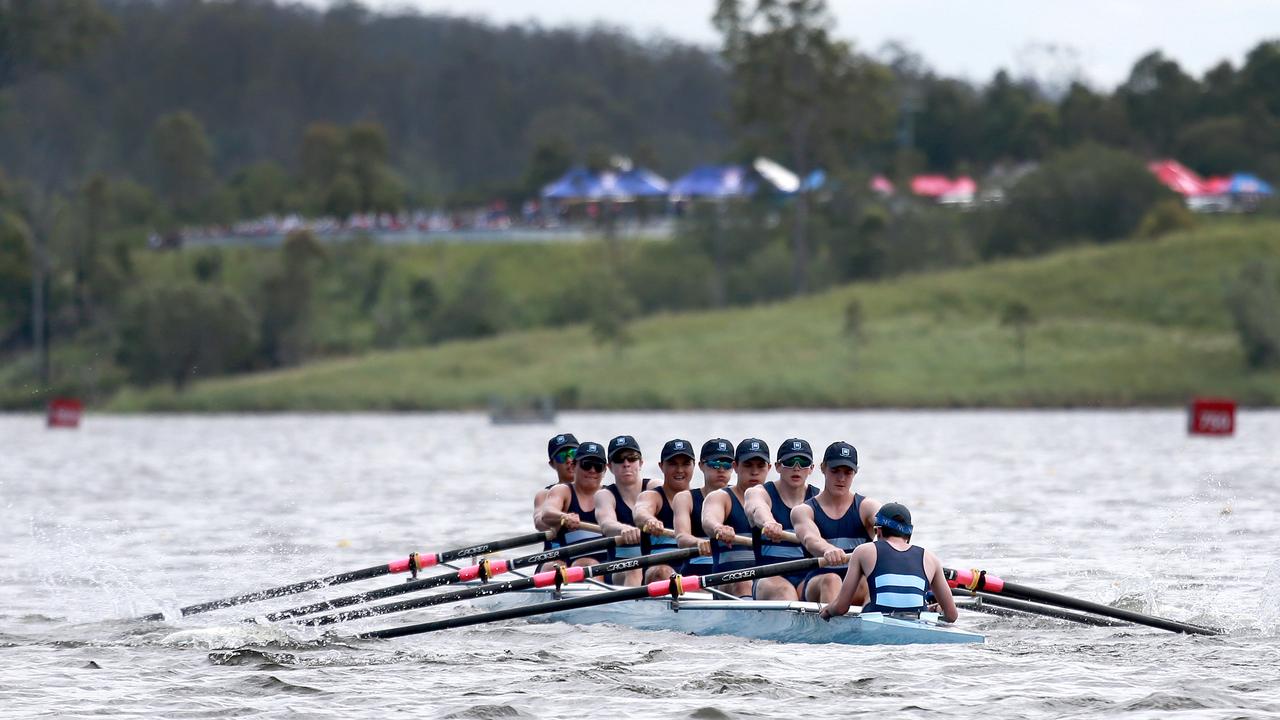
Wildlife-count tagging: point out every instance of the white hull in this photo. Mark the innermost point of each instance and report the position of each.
(700, 614)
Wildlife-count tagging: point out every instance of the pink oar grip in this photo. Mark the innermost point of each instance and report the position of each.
(398, 566)
(548, 577)
(965, 578)
(659, 588)
(497, 567)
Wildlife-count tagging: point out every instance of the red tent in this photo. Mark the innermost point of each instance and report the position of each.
(931, 185)
(1177, 177)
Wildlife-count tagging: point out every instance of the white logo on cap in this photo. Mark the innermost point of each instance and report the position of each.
(679, 445)
(591, 447)
(620, 441)
(755, 446)
(795, 445)
(559, 438)
(844, 452)
(722, 446)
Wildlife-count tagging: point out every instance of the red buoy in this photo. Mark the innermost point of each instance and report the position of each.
(1211, 416)
(65, 413)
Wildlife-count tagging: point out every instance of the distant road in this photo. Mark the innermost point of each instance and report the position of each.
(654, 231)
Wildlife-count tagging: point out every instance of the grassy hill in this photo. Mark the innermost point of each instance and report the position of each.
(1139, 323)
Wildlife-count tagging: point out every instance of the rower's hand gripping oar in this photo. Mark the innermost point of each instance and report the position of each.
(482, 571)
(981, 580)
(412, 564)
(676, 586)
(557, 577)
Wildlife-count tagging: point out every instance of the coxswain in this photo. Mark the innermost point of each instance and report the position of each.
(724, 513)
(897, 573)
(769, 508)
(833, 523)
(568, 505)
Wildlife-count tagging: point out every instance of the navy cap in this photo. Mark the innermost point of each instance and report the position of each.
(793, 447)
(716, 449)
(560, 442)
(591, 450)
(841, 454)
(677, 447)
(623, 442)
(752, 448)
(896, 517)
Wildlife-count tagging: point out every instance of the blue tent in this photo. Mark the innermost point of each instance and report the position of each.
(577, 184)
(715, 181)
(1246, 184)
(640, 182)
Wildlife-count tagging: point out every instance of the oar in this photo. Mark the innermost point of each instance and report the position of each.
(676, 586)
(1019, 607)
(559, 576)
(413, 563)
(483, 570)
(982, 580)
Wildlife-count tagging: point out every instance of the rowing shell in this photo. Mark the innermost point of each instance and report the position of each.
(779, 621)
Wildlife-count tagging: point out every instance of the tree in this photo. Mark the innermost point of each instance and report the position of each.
(40, 35)
(550, 159)
(287, 300)
(182, 163)
(178, 331)
(15, 277)
(800, 95)
(1017, 315)
(261, 189)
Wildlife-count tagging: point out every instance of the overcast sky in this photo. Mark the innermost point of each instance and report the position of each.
(966, 38)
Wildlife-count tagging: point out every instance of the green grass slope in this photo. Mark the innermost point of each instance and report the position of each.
(1140, 323)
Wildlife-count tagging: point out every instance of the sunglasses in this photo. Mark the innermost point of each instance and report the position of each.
(626, 458)
(718, 464)
(566, 455)
(591, 465)
(797, 461)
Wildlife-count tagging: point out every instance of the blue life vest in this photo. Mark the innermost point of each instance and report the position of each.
(898, 582)
(846, 532)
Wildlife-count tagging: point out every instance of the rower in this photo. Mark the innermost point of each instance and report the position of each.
(655, 508)
(560, 453)
(568, 505)
(615, 503)
(769, 508)
(724, 513)
(716, 463)
(897, 573)
(833, 523)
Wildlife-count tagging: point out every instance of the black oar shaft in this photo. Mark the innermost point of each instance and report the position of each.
(355, 575)
(568, 551)
(1028, 593)
(604, 598)
(590, 571)
(1022, 606)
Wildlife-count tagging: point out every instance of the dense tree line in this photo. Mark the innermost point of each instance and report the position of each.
(124, 116)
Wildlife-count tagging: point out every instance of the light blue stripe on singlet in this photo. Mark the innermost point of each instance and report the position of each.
(663, 542)
(577, 536)
(731, 556)
(627, 551)
(779, 551)
(906, 601)
(905, 581)
(701, 560)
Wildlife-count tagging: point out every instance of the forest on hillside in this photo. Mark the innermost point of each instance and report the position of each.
(121, 117)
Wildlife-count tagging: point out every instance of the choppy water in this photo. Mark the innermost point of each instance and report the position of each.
(133, 514)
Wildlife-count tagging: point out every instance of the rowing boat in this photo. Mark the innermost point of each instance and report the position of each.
(701, 614)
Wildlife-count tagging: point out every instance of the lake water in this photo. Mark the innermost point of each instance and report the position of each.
(130, 515)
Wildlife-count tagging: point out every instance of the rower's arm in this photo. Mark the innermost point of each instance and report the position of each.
(941, 590)
(758, 506)
(862, 558)
(807, 530)
(554, 506)
(537, 510)
(682, 521)
(607, 514)
(646, 508)
(869, 508)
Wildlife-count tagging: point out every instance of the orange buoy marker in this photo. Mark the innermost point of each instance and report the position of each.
(64, 413)
(1211, 416)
